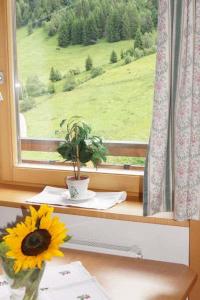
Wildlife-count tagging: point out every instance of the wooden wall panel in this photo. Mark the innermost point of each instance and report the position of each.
(195, 256)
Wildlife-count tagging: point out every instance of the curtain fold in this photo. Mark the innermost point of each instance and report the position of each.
(172, 171)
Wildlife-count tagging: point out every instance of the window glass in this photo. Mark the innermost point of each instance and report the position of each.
(92, 58)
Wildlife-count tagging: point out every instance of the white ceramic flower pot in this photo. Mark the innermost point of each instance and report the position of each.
(78, 189)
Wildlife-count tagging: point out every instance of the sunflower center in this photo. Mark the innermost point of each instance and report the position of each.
(36, 242)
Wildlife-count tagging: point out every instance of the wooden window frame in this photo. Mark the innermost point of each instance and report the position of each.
(40, 174)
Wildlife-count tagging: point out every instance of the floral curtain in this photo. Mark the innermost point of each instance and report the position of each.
(172, 172)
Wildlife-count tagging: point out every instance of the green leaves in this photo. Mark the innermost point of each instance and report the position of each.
(85, 153)
(67, 151)
(3, 249)
(80, 147)
(67, 238)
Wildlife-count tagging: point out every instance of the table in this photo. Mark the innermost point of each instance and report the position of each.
(152, 280)
(125, 278)
(135, 279)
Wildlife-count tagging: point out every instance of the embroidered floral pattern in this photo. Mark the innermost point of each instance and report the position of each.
(3, 283)
(184, 117)
(83, 297)
(158, 140)
(64, 273)
(73, 192)
(187, 127)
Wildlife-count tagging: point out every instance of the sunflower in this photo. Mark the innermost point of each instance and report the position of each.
(36, 239)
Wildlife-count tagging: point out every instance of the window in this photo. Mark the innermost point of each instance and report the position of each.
(52, 83)
(95, 59)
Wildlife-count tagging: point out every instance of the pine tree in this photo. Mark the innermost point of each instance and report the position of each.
(138, 40)
(134, 18)
(30, 28)
(51, 88)
(52, 75)
(113, 57)
(147, 40)
(122, 54)
(26, 102)
(53, 25)
(146, 23)
(58, 75)
(113, 32)
(100, 19)
(85, 8)
(18, 15)
(88, 64)
(55, 75)
(153, 7)
(69, 83)
(127, 60)
(77, 31)
(26, 14)
(34, 86)
(90, 34)
(64, 34)
(126, 30)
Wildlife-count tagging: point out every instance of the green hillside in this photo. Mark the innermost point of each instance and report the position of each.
(37, 53)
(118, 104)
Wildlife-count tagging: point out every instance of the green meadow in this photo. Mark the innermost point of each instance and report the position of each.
(118, 103)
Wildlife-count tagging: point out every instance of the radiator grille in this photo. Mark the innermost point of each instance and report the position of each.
(130, 251)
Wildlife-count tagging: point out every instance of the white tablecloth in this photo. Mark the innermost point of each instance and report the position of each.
(71, 282)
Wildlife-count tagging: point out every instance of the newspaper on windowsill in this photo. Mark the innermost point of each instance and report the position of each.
(60, 196)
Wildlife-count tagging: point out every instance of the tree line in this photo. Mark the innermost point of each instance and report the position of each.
(87, 21)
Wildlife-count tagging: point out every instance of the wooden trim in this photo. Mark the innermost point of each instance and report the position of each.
(195, 257)
(102, 166)
(115, 148)
(98, 180)
(15, 196)
(7, 144)
(10, 171)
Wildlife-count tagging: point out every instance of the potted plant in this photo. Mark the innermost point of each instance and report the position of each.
(80, 147)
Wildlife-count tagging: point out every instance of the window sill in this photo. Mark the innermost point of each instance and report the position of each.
(15, 196)
(101, 179)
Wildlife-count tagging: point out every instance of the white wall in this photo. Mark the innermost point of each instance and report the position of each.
(157, 242)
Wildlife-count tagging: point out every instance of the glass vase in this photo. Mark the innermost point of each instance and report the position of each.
(24, 285)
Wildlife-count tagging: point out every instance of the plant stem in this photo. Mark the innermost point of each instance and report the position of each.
(78, 162)
(74, 167)
(79, 169)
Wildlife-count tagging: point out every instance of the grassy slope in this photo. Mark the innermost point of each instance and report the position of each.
(118, 104)
(43, 53)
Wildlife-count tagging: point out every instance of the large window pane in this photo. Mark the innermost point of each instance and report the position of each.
(92, 58)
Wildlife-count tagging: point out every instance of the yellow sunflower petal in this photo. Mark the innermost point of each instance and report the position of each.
(16, 235)
(17, 266)
(33, 212)
(58, 253)
(45, 222)
(45, 210)
(30, 222)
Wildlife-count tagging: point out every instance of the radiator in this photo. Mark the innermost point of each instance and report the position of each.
(133, 251)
